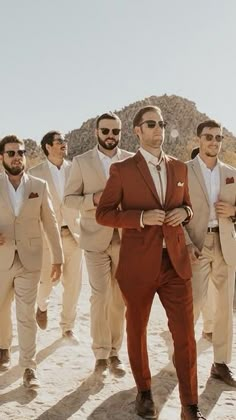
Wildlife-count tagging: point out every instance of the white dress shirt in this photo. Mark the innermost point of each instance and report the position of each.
(212, 182)
(16, 196)
(106, 161)
(58, 176)
(152, 163)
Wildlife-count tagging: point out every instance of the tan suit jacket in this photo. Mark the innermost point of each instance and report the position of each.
(197, 227)
(24, 233)
(86, 178)
(66, 216)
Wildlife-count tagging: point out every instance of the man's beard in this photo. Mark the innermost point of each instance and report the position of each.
(13, 171)
(108, 146)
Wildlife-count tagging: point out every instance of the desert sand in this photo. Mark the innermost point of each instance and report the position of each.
(70, 391)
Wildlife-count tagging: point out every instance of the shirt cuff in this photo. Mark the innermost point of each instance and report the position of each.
(141, 220)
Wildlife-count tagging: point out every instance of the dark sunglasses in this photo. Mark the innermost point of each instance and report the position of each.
(60, 141)
(153, 123)
(12, 153)
(115, 131)
(210, 137)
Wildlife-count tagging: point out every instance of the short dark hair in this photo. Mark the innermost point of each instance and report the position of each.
(12, 138)
(140, 113)
(209, 124)
(48, 139)
(107, 116)
(194, 152)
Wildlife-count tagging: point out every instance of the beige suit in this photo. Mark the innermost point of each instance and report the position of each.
(218, 259)
(21, 260)
(72, 267)
(101, 245)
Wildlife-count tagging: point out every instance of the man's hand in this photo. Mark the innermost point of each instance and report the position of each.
(2, 239)
(224, 209)
(153, 217)
(175, 217)
(56, 272)
(96, 197)
(194, 253)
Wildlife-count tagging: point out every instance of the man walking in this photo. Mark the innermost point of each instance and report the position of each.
(25, 207)
(212, 187)
(55, 170)
(101, 244)
(147, 195)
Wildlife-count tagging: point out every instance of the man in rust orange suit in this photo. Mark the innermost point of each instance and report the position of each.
(147, 195)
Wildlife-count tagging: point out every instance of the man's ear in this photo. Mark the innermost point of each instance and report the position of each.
(96, 132)
(137, 130)
(1, 157)
(47, 146)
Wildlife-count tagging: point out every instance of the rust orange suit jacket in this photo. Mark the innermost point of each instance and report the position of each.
(130, 190)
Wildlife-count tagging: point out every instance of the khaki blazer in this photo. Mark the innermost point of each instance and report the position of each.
(131, 186)
(69, 217)
(86, 178)
(197, 227)
(24, 233)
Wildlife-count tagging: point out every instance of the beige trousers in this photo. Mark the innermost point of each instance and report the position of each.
(107, 309)
(212, 267)
(208, 310)
(23, 284)
(71, 280)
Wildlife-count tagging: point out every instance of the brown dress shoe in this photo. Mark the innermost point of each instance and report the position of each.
(101, 367)
(5, 360)
(69, 335)
(116, 366)
(42, 319)
(144, 405)
(191, 412)
(223, 373)
(30, 379)
(207, 336)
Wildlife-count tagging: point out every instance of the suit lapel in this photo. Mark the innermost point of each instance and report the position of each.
(5, 194)
(170, 174)
(27, 190)
(144, 171)
(48, 177)
(97, 164)
(197, 170)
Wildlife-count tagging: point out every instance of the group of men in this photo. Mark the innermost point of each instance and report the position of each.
(147, 222)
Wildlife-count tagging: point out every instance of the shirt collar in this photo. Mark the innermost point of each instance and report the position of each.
(23, 180)
(150, 158)
(52, 166)
(204, 166)
(103, 156)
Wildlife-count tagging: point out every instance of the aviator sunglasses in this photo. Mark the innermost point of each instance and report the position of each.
(12, 153)
(210, 137)
(115, 131)
(153, 123)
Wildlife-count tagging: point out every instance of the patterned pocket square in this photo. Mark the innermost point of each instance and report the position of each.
(33, 195)
(229, 180)
(180, 184)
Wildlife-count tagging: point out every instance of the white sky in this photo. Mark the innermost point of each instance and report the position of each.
(64, 61)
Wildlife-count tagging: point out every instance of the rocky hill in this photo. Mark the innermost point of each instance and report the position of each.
(180, 113)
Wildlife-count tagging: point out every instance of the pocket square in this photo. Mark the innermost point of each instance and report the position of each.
(180, 184)
(229, 180)
(33, 195)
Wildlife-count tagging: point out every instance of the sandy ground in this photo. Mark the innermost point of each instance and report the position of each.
(70, 391)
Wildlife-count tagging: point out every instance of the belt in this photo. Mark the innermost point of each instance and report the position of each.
(213, 229)
(64, 227)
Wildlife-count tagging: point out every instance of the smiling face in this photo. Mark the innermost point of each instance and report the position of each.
(210, 141)
(151, 135)
(108, 133)
(13, 158)
(58, 149)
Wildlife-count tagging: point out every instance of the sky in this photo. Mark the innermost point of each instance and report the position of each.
(65, 61)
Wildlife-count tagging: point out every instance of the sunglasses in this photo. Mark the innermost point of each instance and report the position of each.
(60, 141)
(12, 153)
(210, 137)
(153, 123)
(115, 131)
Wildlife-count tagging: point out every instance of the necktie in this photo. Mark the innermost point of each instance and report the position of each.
(162, 199)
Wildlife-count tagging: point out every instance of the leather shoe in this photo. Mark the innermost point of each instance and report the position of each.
(116, 366)
(30, 379)
(207, 336)
(191, 412)
(42, 319)
(101, 367)
(223, 373)
(69, 335)
(5, 360)
(144, 405)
